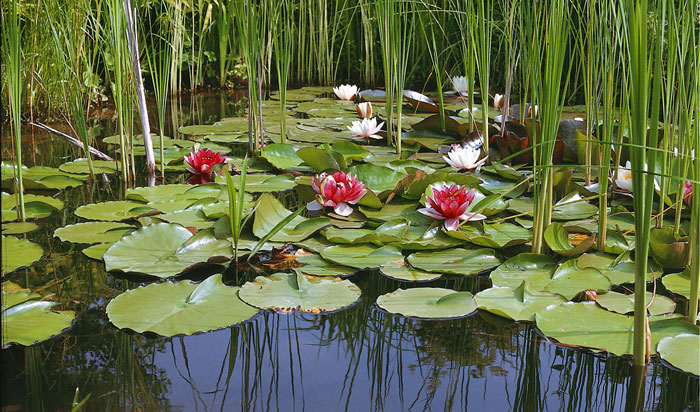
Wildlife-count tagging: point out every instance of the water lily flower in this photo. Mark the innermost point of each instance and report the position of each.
(499, 101)
(346, 91)
(366, 129)
(450, 203)
(464, 158)
(460, 84)
(537, 111)
(201, 162)
(338, 191)
(687, 192)
(624, 177)
(364, 110)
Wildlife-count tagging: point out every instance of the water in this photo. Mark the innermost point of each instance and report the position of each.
(358, 359)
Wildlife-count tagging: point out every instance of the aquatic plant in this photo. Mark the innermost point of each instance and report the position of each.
(236, 197)
(459, 84)
(450, 203)
(346, 91)
(464, 157)
(624, 177)
(202, 162)
(366, 129)
(364, 110)
(338, 191)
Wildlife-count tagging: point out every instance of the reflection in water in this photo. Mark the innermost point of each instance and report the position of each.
(358, 359)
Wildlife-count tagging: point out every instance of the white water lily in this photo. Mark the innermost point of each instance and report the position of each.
(460, 84)
(537, 112)
(346, 91)
(499, 101)
(364, 110)
(464, 158)
(624, 177)
(366, 129)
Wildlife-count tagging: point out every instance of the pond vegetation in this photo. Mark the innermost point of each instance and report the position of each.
(508, 200)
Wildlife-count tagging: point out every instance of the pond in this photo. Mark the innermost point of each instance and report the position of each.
(359, 358)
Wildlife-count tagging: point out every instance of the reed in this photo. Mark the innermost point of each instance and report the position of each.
(235, 206)
(482, 12)
(433, 34)
(159, 51)
(12, 61)
(282, 41)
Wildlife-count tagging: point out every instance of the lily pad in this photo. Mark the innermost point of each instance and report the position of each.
(362, 256)
(179, 308)
(557, 239)
(19, 253)
(568, 280)
(39, 178)
(681, 351)
(295, 291)
(163, 250)
(255, 183)
(172, 191)
(271, 212)
(428, 303)
(619, 272)
(587, 325)
(113, 211)
(519, 303)
(18, 228)
(497, 236)
(679, 283)
(26, 320)
(35, 206)
(377, 178)
(282, 156)
(399, 271)
(456, 261)
(315, 265)
(93, 232)
(528, 267)
(80, 166)
(97, 251)
(621, 303)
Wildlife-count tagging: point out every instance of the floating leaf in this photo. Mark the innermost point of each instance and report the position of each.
(679, 283)
(163, 250)
(39, 178)
(519, 303)
(80, 166)
(97, 251)
(497, 236)
(377, 178)
(18, 228)
(681, 351)
(529, 267)
(295, 291)
(399, 271)
(35, 206)
(255, 183)
(93, 232)
(173, 191)
(26, 320)
(456, 261)
(618, 272)
(428, 303)
(179, 308)
(668, 249)
(362, 256)
(621, 303)
(586, 324)
(113, 211)
(557, 239)
(568, 280)
(19, 253)
(282, 156)
(315, 265)
(270, 212)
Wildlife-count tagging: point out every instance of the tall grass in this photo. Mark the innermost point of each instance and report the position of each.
(282, 39)
(433, 34)
(12, 60)
(482, 13)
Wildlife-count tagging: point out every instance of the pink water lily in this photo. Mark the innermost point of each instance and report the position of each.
(201, 163)
(687, 192)
(338, 191)
(450, 203)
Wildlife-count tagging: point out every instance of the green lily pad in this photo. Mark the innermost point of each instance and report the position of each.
(39, 178)
(113, 211)
(621, 303)
(315, 265)
(255, 183)
(26, 320)
(192, 216)
(415, 185)
(681, 351)
(173, 205)
(519, 303)
(80, 166)
(397, 209)
(97, 251)
(497, 236)
(428, 303)
(19, 253)
(349, 150)
(568, 280)
(362, 256)
(618, 272)
(377, 178)
(35, 206)
(173, 191)
(179, 308)
(399, 271)
(679, 283)
(295, 291)
(163, 250)
(528, 267)
(455, 261)
(566, 212)
(18, 228)
(587, 325)
(668, 249)
(557, 239)
(282, 156)
(93, 232)
(270, 212)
